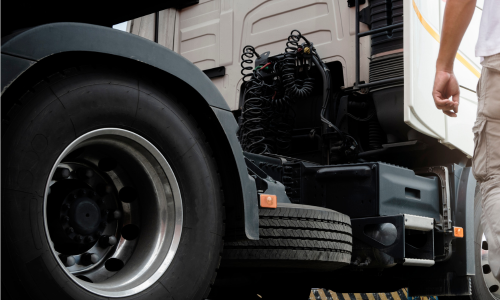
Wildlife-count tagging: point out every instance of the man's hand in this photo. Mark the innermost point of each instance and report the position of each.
(445, 83)
(446, 86)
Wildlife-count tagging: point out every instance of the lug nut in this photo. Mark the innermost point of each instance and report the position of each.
(107, 240)
(89, 258)
(68, 261)
(89, 239)
(114, 215)
(84, 173)
(78, 238)
(65, 219)
(70, 230)
(61, 173)
(117, 214)
(66, 206)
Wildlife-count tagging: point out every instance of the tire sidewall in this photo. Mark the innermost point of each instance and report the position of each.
(479, 289)
(55, 113)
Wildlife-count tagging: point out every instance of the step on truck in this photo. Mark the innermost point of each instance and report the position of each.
(232, 149)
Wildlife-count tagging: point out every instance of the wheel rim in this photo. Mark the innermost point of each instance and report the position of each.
(491, 282)
(113, 212)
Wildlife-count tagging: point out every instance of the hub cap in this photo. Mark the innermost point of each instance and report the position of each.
(113, 212)
(491, 282)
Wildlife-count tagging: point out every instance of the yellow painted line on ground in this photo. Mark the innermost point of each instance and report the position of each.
(436, 36)
(346, 296)
(358, 296)
(334, 295)
(382, 296)
(322, 294)
(395, 295)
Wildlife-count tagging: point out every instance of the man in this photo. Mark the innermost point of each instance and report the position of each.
(446, 92)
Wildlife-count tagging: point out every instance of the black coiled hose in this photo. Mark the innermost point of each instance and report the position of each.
(295, 88)
(247, 61)
(255, 114)
(282, 125)
(267, 118)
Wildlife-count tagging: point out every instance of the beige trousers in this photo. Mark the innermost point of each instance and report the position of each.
(486, 160)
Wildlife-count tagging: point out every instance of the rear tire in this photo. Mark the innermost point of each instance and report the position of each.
(56, 112)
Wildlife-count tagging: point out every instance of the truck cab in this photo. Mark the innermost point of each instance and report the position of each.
(290, 140)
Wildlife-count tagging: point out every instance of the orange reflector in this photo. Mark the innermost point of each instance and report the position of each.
(458, 232)
(269, 201)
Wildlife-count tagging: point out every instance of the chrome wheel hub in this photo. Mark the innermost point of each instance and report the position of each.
(113, 212)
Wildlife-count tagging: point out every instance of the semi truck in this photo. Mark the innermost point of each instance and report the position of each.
(224, 149)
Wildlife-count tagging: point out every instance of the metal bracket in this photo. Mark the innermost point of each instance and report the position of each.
(418, 262)
(443, 175)
(265, 183)
(418, 223)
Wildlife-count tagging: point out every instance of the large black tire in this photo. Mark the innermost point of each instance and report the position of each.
(67, 105)
(294, 240)
(296, 236)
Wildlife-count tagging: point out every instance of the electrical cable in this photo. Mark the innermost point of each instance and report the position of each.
(271, 87)
(252, 132)
(295, 88)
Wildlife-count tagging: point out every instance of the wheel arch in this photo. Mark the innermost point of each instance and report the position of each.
(34, 54)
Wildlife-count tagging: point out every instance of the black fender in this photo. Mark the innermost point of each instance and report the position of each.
(22, 52)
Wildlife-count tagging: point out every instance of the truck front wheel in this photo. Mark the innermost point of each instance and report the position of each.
(109, 191)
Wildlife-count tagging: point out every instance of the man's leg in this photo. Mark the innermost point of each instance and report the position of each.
(490, 220)
(486, 161)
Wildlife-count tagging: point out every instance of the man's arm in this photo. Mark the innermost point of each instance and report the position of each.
(457, 16)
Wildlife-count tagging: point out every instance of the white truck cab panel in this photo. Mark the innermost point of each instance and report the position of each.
(213, 33)
(423, 21)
